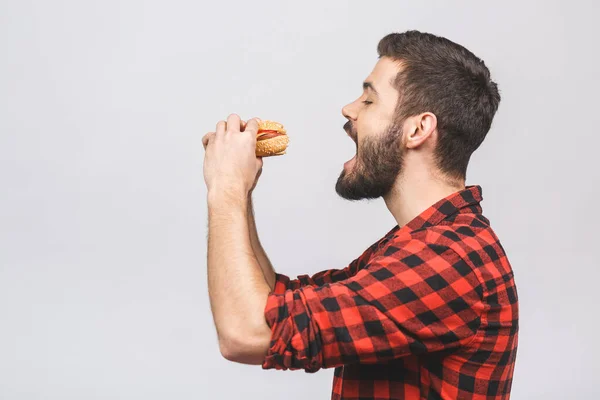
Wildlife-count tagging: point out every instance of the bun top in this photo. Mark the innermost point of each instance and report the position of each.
(270, 126)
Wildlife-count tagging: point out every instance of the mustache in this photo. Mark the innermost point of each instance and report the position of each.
(349, 128)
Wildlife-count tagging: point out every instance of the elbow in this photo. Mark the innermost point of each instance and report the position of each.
(244, 349)
(228, 351)
(232, 348)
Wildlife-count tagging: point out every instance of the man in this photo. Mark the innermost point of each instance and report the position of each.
(430, 310)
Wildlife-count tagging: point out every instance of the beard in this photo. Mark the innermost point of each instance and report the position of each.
(376, 168)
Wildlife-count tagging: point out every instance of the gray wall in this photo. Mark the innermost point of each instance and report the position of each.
(103, 291)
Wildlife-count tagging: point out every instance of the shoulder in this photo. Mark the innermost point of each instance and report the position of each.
(457, 246)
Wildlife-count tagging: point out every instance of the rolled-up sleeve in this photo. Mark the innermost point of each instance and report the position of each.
(414, 298)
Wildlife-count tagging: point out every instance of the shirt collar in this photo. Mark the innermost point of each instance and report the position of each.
(463, 201)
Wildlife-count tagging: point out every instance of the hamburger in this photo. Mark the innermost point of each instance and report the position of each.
(271, 139)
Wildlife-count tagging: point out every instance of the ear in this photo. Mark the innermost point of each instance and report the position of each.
(419, 128)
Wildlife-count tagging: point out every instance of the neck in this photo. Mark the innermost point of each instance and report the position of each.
(417, 190)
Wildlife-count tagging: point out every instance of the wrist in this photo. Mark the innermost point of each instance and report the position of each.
(227, 197)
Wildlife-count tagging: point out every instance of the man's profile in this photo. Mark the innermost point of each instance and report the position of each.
(430, 310)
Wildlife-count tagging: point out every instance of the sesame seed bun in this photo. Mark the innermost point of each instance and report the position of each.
(271, 139)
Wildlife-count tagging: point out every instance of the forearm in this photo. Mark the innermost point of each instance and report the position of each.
(236, 284)
(259, 252)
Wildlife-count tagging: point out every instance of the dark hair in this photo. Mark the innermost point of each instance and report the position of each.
(444, 78)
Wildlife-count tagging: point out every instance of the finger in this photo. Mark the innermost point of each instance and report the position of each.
(233, 123)
(255, 118)
(243, 125)
(207, 138)
(221, 128)
(252, 126)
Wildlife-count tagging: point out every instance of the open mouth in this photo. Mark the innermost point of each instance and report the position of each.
(352, 161)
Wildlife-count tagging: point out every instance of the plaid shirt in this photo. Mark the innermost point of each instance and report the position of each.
(429, 311)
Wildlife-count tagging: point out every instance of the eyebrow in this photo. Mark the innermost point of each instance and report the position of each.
(369, 85)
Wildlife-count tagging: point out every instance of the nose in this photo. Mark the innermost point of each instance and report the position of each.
(349, 112)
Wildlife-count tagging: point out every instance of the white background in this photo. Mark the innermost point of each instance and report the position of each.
(103, 218)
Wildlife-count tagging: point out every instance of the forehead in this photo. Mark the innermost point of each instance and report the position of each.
(383, 75)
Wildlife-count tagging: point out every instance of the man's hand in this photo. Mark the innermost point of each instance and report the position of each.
(230, 163)
(244, 124)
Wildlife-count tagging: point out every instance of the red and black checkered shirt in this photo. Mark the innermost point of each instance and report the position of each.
(429, 311)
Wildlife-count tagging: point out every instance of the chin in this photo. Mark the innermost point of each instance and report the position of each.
(355, 184)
